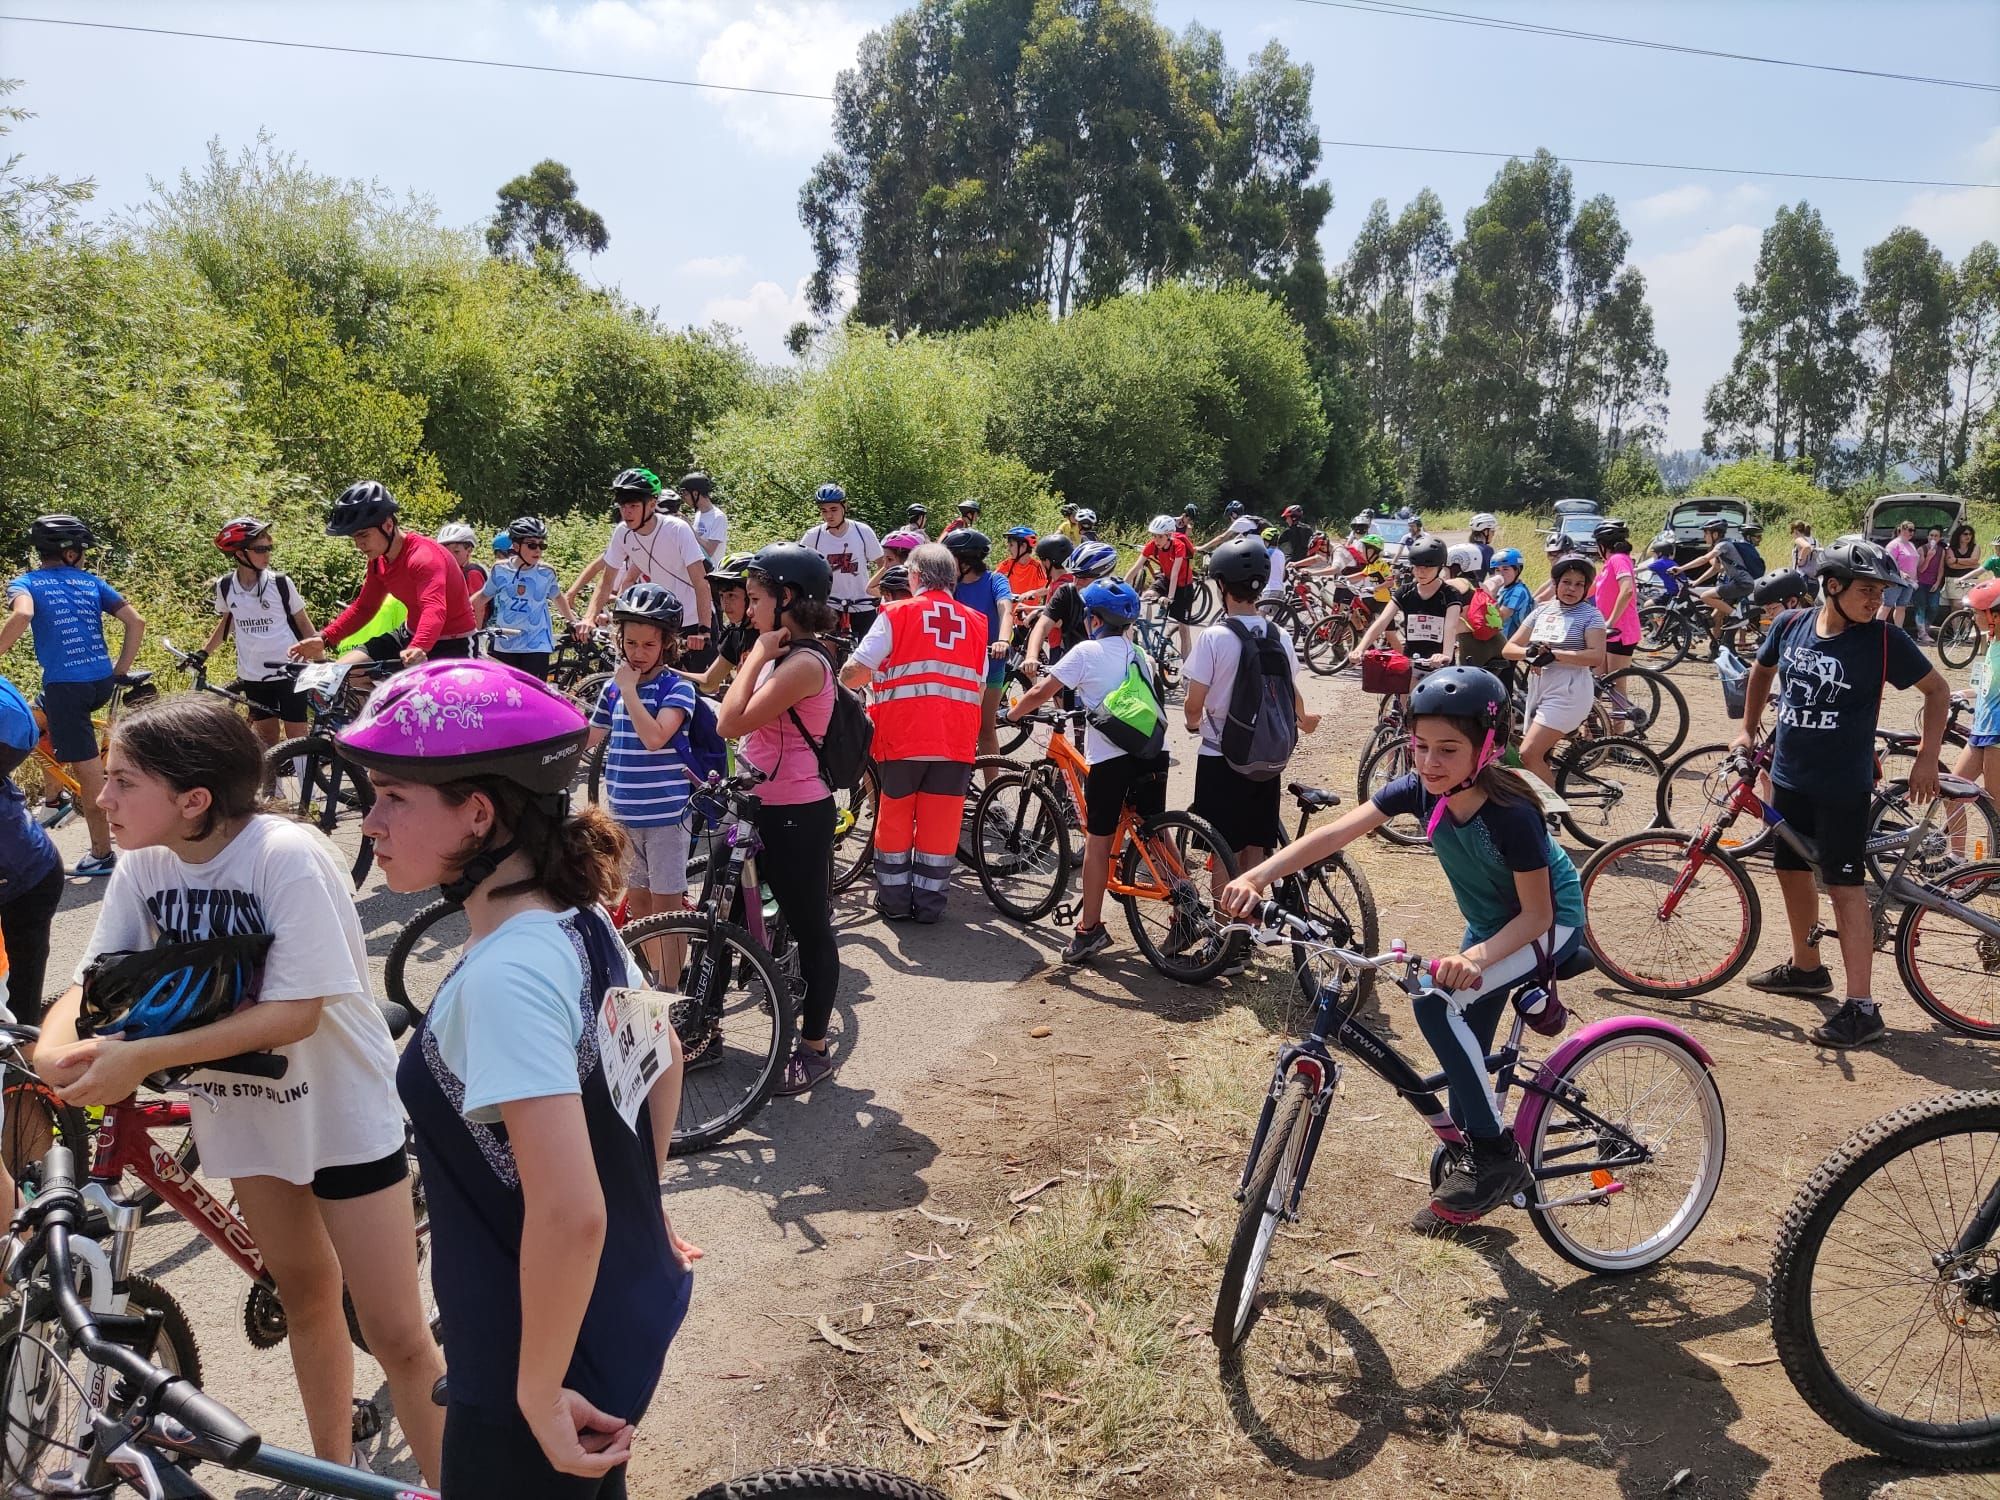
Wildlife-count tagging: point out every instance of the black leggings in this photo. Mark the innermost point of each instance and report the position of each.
(24, 924)
(797, 864)
(488, 1456)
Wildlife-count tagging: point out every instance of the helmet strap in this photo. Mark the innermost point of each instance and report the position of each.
(1484, 759)
(478, 870)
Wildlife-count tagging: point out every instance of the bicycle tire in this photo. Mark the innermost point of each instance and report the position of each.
(1605, 783)
(1691, 791)
(1206, 602)
(1192, 924)
(1945, 986)
(1559, 1120)
(323, 777)
(1325, 897)
(1664, 638)
(1389, 759)
(756, 1069)
(1958, 638)
(819, 1482)
(1033, 845)
(1000, 765)
(1972, 822)
(1328, 644)
(396, 968)
(35, 1120)
(591, 771)
(1662, 723)
(1011, 737)
(586, 690)
(1266, 1197)
(1804, 1237)
(1645, 867)
(854, 846)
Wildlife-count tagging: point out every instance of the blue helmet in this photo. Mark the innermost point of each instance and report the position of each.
(502, 542)
(1093, 559)
(1020, 533)
(830, 494)
(1507, 557)
(158, 991)
(1113, 600)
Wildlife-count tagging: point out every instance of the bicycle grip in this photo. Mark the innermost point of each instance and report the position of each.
(222, 1435)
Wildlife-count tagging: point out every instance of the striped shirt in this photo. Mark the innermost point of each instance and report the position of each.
(647, 788)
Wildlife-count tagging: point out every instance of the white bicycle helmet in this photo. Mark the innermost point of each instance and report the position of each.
(1484, 521)
(453, 532)
(1161, 526)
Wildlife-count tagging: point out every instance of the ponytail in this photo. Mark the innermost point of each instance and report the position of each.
(578, 858)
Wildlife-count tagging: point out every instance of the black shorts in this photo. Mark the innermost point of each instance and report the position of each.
(1180, 608)
(1142, 781)
(1836, 822)
(390, 646)
(932, 778)
(68, 707)
(361, 1178)
(278, 700)
(1621, 648)
(1246, 813)
(534, 663)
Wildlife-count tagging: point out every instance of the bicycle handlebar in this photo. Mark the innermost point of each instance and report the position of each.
(1272, 916)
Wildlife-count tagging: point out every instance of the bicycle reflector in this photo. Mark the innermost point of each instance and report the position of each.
(174, 987)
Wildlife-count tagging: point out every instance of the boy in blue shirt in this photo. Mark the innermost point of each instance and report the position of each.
(1661, 566)
(520, 592)
(980, 588)
(64, 605)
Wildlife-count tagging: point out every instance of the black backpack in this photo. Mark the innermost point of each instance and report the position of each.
(1262, 729)
(850, 733)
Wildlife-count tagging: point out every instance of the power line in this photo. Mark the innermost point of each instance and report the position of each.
(1409, 12)
(484, 62)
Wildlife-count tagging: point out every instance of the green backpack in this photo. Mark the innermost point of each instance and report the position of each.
(1130, 715)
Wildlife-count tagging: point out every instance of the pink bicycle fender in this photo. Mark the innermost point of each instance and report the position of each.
(1529, 1116)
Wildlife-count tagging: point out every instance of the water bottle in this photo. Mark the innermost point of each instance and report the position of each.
(1543, 1010)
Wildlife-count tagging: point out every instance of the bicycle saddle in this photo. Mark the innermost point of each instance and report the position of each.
(138, 677)
(1900, 739)
(1957, 788)
(1312, 798)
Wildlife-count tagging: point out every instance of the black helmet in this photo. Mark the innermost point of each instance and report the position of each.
(968, 507)
(1053, 549)
(725, 578)
(895, 581)
(528, 529)
(1233, 509)
(968, 544)
(697, 482)
(648, 604)
(54, 533)
(1571, 562)
(1752, 529)
(170, 988)
(359, 507)
(1429, 552)
(1779, 585)
(916, 512)
(1461, 693)
(1851, 557)
(1715, 523)
(1608, 534)
(641, 482)
(1241, 559)
(788, 565)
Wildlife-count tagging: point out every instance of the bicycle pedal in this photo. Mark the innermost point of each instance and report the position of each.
(367, 1420)
(1064, 914)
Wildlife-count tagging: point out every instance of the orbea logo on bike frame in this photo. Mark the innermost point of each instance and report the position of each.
(226, 1224)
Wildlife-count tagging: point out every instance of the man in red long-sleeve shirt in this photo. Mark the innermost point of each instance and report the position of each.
(402, 565)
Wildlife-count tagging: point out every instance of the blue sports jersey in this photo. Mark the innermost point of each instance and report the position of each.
(1662, 568)
(984, 594)
(520, 597)
(68, 624)
(646, 788)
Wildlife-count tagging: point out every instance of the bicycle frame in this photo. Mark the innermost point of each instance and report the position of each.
(125, 1144)
(1160, 862)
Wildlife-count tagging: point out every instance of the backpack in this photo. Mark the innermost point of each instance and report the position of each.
(1262, 729)
(700, 745)
(1482, 615)
(288, 597)
(18, 731)
(843, 754)
(1130, 715)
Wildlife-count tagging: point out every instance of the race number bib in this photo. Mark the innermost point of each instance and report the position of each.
(1423, 627)
(1551, 628)
(632, 1045)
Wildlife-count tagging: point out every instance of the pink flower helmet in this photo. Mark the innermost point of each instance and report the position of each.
(453, 720)
(906, 540)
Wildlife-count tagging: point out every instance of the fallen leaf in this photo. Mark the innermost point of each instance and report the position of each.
(1677, 1481)
(1170, 1130)
(992, 1424)
(1042, 1031)
(1004, 1492)
(1026, 1193)
(918, 1431)
(867, 1315)
(967, 1460)
(1412, 1177)
(963, 1226)
(1180, 1207)
(1736, 1364)
(836, 1338)
(1378, 1302)
(750, 1374)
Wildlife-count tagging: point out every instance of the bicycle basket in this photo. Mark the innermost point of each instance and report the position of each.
(1385, 672)
(1735, 675)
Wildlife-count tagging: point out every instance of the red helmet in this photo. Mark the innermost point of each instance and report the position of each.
(240, 533)
(1293, 513)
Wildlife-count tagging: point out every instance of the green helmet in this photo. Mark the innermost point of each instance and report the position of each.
(637, 481)
(1374, 541)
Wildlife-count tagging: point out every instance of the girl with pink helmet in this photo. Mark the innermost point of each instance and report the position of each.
(533, 1173)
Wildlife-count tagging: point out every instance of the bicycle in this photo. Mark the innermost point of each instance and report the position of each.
(1647, 705)
(1023, 829)
(1959, 637)
(1659, 904)
(1683, 628)
(1614, 1106)
(308, 776)
(62, 793)
(1334, 891)
(1885, 1284)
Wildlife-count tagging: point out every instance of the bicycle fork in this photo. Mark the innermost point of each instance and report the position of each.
(1324, 1074)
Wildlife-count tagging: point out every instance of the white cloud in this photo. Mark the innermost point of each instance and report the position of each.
(766, 312)
(1694, 316)
(1693, 199)
(1958, 218)
(709, 267)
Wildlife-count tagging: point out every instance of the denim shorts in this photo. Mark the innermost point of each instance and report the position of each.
(69, 706)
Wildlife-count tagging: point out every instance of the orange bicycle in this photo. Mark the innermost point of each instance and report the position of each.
(1027, 833)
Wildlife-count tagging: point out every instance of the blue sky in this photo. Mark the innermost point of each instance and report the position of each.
(699, 188)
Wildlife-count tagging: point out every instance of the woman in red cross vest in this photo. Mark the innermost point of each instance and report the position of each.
(925, 658)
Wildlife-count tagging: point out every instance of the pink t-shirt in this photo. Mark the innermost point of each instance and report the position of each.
(1625, 629)
(782, 755)
(1905, 556)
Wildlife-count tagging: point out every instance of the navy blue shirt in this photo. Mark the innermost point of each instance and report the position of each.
(1482, 855)
(27, 854)
(1829, 696)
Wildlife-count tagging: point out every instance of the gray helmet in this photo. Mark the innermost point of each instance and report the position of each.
(1780, 585)
(1241, 559)
(648, 604)
(1852, 557)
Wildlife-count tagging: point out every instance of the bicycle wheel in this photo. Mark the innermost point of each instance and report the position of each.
(1267, 1199)
(591, 771)
(1180, 861)
(1000, 765)
(1964, 832)
(1666, 917)
(1656, 711)
(1958, 639)
(1012, 737)
(1389, 759)
(586, 690)
(1663, 637)
(298, 775)
(854, 827)
(1612, 788)
(1338, 893)
(42, 1379)
(735, 1023)
(1328, 643)
(36, 1120)
(1021, 847)
(1950, 967)
(1695, 788)
(1873, 1304)
(423, 955)
(819, 1482)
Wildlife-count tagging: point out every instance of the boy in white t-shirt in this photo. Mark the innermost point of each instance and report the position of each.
(652, 545)
(711, 522)
(260, 607)
(851, 551)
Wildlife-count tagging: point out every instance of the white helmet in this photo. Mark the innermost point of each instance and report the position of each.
(1485, 521)
(1161, 526)
(453, 532)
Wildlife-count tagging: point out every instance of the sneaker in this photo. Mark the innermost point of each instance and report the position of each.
(1851, 1026)
(806, 1068)
(1789, 979)
(91, 866)
(1086, 944)
(1481, 1179)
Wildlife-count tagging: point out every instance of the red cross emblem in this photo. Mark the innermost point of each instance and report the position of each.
(942, 624)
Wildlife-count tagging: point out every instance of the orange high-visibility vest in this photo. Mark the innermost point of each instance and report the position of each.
(927, 693)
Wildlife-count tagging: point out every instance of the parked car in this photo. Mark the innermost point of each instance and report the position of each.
(1395, 537)
(1687, 519)
(1575, 529)
(1575, 507)
(1922, 506)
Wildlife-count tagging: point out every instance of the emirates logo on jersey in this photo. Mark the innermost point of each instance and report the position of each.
(943, 625)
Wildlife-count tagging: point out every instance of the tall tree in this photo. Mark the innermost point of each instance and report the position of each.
(1906, 305)
(539, 215)
(32, 205)
(1394, 284)
(1628, 369)
(1975, 354)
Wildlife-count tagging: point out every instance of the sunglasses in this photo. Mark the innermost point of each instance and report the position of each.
(262, 549)
(531, 546)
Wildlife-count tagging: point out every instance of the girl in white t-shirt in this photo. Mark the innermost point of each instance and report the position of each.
(316, 1158)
